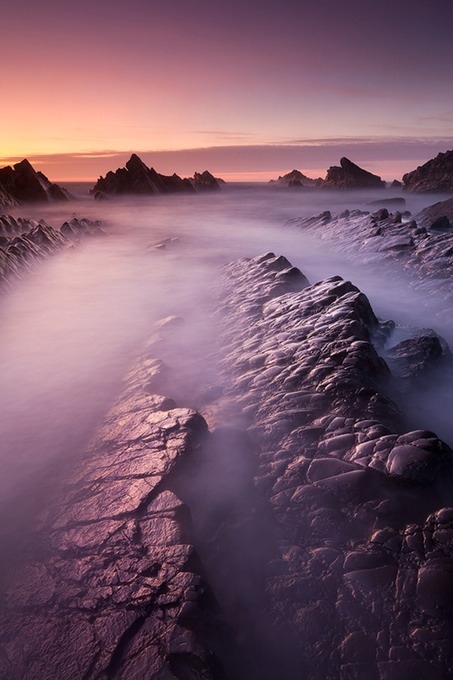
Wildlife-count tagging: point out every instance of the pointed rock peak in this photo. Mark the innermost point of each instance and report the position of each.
(135, 163)
(24, 166)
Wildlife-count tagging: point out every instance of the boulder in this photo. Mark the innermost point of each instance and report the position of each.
(434, 175)
(438, 216)
(23, 184)
(350, 176)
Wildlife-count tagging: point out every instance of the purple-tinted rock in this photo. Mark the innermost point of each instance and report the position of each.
(26, 185)
(350, 176)
(435, 175)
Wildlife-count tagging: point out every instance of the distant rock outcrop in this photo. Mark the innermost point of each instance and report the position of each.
(137, 178)
(435, 175)
(202, 181)
(351, 176)
(296, 179)
(23, 184)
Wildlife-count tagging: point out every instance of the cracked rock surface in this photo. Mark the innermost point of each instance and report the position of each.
(110, 590)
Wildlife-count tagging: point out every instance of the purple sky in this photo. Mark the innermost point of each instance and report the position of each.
(150, 76)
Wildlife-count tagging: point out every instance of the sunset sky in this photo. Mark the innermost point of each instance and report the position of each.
(286, 84)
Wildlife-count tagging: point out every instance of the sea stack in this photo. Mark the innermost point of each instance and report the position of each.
(350, 176)
(23, 184)
(434, 175)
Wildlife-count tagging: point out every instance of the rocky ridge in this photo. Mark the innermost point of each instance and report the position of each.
(436, 175)
(23, 184)
(113, 590)
(423, 251)
(137, 178)
(24, 242)
(362, 586)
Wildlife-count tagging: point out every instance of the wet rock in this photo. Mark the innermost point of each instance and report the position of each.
(435, 175)
(111, 589)
(350, 176)
(24, 184)
(437, 216)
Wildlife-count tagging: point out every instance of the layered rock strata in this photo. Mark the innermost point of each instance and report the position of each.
(436, 175)
(361, 585)
(24, 242)
(423, 251)
(111, 589)
(23, 184)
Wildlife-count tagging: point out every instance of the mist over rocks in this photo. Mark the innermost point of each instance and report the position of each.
(348, 175)
(137, 178)
(410, 244)
(438, 216)
(436, 175)
(23, 184)
(113, 588)
(25, 242)
(355, 499)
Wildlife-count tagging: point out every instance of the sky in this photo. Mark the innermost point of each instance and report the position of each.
(252, 87)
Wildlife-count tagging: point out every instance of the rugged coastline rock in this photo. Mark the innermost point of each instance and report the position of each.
(350, 176)
(24, 184)
(394, 237)
(359, 576)
(24, 242)
(436, 175)
(205, 181)
(296, 179)
(113, 589)
(437, 216)
(137, 178)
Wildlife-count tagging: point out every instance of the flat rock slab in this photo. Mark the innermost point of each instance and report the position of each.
(109, 591)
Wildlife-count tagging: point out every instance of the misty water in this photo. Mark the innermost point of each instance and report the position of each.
(71, 328)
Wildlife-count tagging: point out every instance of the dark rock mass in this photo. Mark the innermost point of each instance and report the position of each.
(205, 181)
(23, 184)
(137, 178)
(296, 179)
(435, 175)
(351, 176)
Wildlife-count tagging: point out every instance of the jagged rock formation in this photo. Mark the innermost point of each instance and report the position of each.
(23, 184)
(205, 181)
(296, 179)
(24, 242)
(381, 236)
(351, 176)
(361, 584)
(113, 590)
(6, 200)
(434, 175)
(137, 178)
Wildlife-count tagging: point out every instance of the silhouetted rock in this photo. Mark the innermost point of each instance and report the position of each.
(435, 175)
(296, 178)
(351, 176)
(6, 200)
(26, 185)
(202, 181)
(396, 184)
(137, 178)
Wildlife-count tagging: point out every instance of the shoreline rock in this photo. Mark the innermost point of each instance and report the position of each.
(436, 175)
(23, 184)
